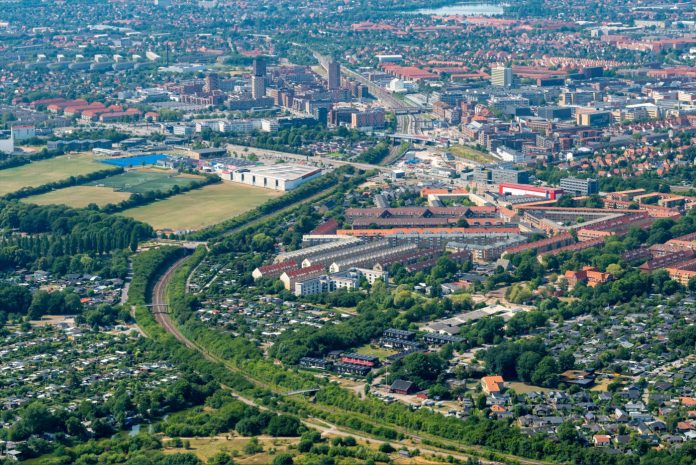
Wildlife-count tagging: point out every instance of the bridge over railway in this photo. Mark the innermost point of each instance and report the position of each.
(303, 392)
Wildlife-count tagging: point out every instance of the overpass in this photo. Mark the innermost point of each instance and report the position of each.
(303, 391)
(413, 138)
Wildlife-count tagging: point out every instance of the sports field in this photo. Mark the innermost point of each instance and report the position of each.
(79, 196)
(201, 207)
(45, 171)
(144, 181)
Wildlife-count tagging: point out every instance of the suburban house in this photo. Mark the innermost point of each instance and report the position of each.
(401, 386)
(601, 440)
(492, 384)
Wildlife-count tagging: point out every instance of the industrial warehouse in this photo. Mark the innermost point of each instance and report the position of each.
(281, 177)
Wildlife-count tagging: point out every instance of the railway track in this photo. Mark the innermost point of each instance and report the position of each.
(163, 318)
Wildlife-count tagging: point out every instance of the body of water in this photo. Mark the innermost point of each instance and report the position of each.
(464, 9)
(136, 161)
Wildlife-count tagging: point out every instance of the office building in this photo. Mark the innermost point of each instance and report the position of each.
(258, 87)
(575, 186)
(259, 67)
(212, 83)
(373, 118)
(593, 118)
(550, 113)
(499, 175)
(501, 76)
(334, 70)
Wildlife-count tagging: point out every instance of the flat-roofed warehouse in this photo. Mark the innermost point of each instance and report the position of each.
(281, 177)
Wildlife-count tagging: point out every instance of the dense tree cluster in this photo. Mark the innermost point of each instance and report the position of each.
(423, 369)
(375, 154)
(527, 360)
(63, 240)
(224, 413)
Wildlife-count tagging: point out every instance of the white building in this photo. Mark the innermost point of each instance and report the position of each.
(239, 126)
(7, 145)
(23, 132)
(349, 280)
(501, 76)
(510, 155)
(399, 86)
(390, 58)
(281, 177)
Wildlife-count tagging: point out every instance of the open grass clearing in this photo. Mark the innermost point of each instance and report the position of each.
(201, 207)
(79, 196)
(470, 153)
(375, 351)
(524, 388)
(45, 171)
(602, 385)
(205, 448)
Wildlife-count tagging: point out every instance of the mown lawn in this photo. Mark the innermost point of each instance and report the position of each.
(201, 207)
(79, 196)
(45, 171)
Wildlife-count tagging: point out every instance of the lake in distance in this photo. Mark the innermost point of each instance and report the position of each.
(464, 9)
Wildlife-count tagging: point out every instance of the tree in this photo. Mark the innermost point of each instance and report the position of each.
(262, 242)
(692, 284)
(283, 459)
(36, 418)
(566, 361)
(186, 458)
(221, 458)
(419, 368)
(386, 448)
(283, 426)
(527, 364)
(253, 446)
(566, 432)
(547, 372)
(14, 299)
(249, 426)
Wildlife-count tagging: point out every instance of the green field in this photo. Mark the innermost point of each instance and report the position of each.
(141, 181)
(470, 153)
(375, 351)
(79, 196)
(201, 207)
(46, 171)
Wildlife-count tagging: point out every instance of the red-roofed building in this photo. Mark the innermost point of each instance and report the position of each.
(274, 270)
(289, 278)
(543, 245)
(327, 227)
